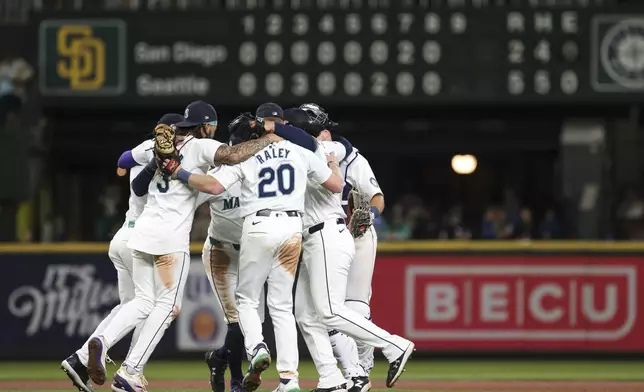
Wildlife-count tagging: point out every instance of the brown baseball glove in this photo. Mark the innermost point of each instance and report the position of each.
(361, 216)
(165, 152)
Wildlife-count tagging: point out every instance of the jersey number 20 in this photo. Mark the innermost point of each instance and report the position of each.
(284, 174)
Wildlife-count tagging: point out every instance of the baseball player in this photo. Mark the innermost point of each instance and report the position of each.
(273, 187)
(221, 260)
(75, 366)
(358, 175)
(160, 242)
(327, 258)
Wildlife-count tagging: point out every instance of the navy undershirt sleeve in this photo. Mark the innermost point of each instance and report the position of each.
(141, 182)
(297, 136)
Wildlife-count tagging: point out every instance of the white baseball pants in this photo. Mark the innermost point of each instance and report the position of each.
(314, 332)
(221, 262)
(121, 257)
(270, 250)
(328, 255)
(359, 287)
(159, 283)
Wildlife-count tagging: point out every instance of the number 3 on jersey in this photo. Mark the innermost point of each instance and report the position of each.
(283, 174)
(164, 185)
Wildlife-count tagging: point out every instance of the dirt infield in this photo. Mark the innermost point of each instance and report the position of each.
(419, 385)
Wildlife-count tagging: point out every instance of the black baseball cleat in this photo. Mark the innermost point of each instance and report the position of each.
(77, 373)
(360, 384)
(398, 366)
(217, 368)
(236, 386)
(342, 387)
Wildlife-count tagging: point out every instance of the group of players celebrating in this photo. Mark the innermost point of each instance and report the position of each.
(277, 194)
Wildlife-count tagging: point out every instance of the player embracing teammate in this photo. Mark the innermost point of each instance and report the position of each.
(288, 200)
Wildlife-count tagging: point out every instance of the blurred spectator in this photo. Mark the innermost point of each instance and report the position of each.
(15, 73)
(524, 225)
(400, 228)
(108, 223)
(550, 228)
(495, 224)
(511, 205)
(630, 216)
(200, 224)
(427, 225)
(453, 227)
(632, 207)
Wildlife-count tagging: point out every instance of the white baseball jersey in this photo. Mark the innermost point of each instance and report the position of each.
(142, 154)
(225, 218)
(321, 204)
(164, 227)
(275, 178)
(358, 174)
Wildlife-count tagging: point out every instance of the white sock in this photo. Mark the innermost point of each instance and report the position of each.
(83, 351)
(365, 351)
(346, 352)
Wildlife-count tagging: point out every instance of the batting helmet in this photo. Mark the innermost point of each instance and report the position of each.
(240, 129)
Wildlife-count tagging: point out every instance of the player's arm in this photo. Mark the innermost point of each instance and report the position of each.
(225, 177)
(232, 155)
(139, 155)
(141, 182)
(336, 148)
(201, 182)
(347, 146)
(326, 175)
(334, 183)
(361, 176)
(297, 136)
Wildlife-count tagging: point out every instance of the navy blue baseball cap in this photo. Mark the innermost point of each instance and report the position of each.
(170, 119)
(269, 109)
(198, 112)
(296, 116)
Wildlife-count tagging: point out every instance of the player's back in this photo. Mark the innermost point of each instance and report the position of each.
(322, 204)
(275, 178)
(225, 217)
(164, 226)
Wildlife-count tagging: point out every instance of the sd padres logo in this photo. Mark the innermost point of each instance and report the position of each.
(83, 57)
(622, 53)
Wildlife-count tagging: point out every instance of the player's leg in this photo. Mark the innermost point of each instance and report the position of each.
(130, 315)
(314, 254)
(170, 276)
(254, 267)
(359, 287)
(234, 336)
(221, 263)
(280, 299)
(315, 334)
(75, 366)
(330, 305)
(170, 273)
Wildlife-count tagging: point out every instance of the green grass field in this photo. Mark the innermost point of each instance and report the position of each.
(417, 371)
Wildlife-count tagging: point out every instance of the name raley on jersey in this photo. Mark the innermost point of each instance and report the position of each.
(273, 111)
(272, 153)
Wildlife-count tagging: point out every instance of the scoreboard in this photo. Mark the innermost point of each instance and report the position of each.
(348, 52)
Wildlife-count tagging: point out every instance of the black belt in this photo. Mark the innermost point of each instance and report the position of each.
(219, 244)
(267, 212)
(320, 226)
